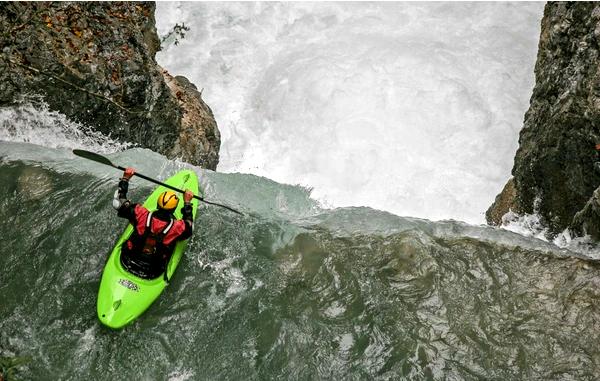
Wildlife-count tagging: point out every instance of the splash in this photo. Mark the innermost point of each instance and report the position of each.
(531, 225)
(409, 108)
(32, 122)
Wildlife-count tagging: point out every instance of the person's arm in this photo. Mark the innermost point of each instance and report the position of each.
(124, 207)
(187, 215)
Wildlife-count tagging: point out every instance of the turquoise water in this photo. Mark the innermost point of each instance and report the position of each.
(288, 291)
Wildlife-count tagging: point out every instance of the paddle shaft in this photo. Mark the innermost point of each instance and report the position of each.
(176, 189)
(103, 160)
(158, 182)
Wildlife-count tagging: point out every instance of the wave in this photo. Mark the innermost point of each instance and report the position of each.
(290, 290)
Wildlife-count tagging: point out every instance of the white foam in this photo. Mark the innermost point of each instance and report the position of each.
(181, 375)
(33, 122)
(412, 108)
(530, 225)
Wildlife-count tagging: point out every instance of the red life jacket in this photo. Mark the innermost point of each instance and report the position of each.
(152, 235)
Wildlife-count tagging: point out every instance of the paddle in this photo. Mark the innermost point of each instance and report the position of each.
(103, 160)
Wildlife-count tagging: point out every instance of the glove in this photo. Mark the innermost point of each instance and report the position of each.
(187, 196)
(129, 172)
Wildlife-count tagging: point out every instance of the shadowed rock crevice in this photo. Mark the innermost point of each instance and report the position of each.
(95, 63)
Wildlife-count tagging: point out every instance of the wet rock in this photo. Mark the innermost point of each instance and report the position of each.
(554, 172)
(504, 203)
(587, 220)
(199, 134)
(95, 63)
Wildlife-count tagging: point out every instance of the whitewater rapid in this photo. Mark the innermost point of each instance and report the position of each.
(292, 290)
(287, 291)
(412, 108)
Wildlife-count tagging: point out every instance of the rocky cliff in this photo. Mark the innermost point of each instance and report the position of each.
(95, 63)
(553, 173)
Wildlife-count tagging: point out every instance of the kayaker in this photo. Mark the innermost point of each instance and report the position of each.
(148, 249)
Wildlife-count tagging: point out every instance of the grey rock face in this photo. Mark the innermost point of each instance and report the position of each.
(94, 62)
(553, 170)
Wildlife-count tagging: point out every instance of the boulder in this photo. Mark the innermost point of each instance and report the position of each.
(504, 203)
(95, 63)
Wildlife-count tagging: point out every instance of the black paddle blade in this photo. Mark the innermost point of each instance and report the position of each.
(93, 156)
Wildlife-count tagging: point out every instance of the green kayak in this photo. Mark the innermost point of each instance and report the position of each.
(123, 297)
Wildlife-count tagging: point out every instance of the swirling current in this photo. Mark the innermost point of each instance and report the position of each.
(289, 291)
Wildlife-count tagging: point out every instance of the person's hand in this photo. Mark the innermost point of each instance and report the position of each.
(187, 196)
(129, 172)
